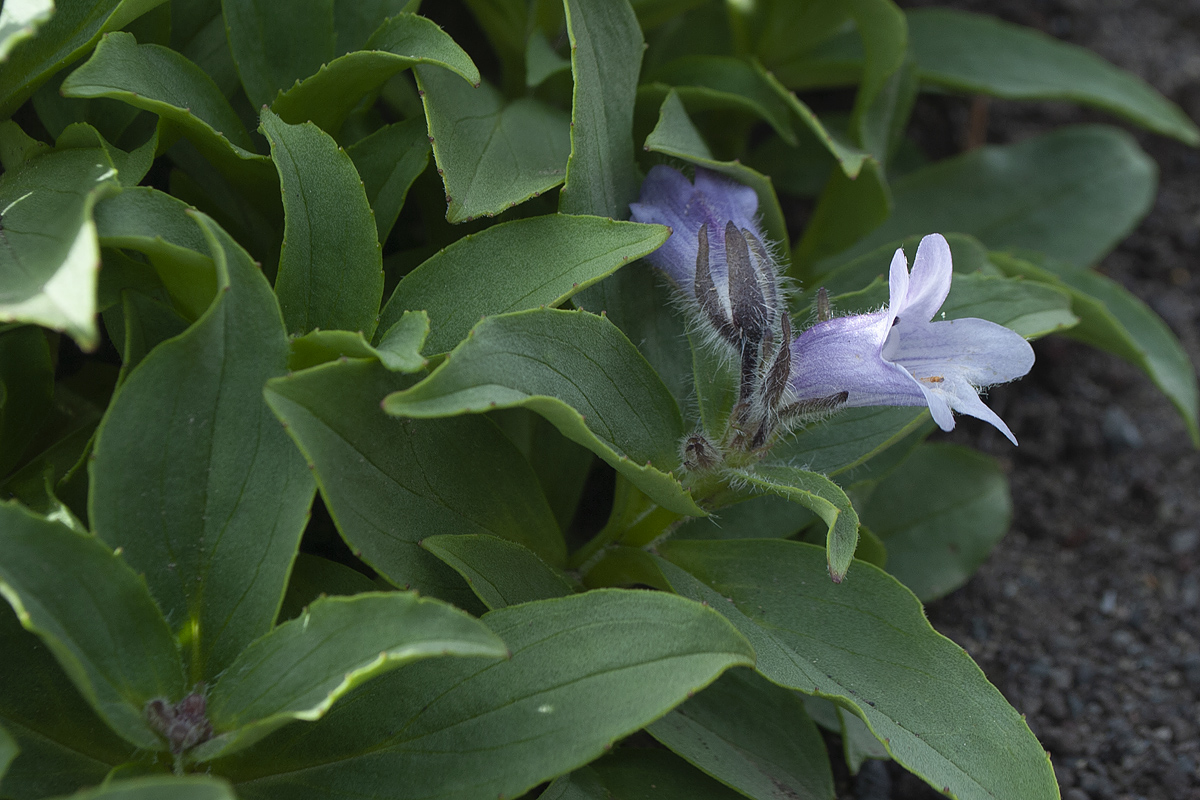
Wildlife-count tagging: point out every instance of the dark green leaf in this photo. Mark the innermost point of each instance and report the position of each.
(68, 35)
(866, 643)
(1043, 193)
(581, 784)
(332, 92)
(95, 615)
(301, 668)
(578, 371)
(676, 136)
(979, 54)
(847, 210)
(849, 438)
(314, 577)
(26, 389)
(184, 787)
(390, 483)
(131, 167)
(762, 517)
(542, 62)
(940, 513)
(540, 261)
(158, 225)
(388, 161)
(819, 495)
(849, 157)
(751, 735)
(148, 323)
(637, 773)
(399, 351)
(8, 745)
(606, 57)
(331, 267)
(885, 37)
(455, 729)
(193, 477)
(356, 20)
(492, 155)
(1114, 320)
(723, 82)
(500, 572)
(64, 745)
(49, 263)
(276, 44)
(158, 79)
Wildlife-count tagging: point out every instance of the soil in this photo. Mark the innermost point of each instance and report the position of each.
(1086, 615)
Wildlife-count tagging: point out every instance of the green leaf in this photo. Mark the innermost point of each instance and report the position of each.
(148, 323)
(606, 57)
(751, 735)
(884, 32)
(638, 773)
(399, 351)
(763, 517)
(676, 136)
(193, 477)
(68, 35)
(978, 54)
(26, 389)
(131, 167)
(331, 93)
(707, 82)
(858, 743)
(314, 577)
(500, 572)
(331, 266)
(1112, 319)
(848, 156)
(158, 225)
(581, 784)
(562, 466)
(515, 266)
(8, 745)
(454, 728)
(19, 20)
(940, 513)
(388, 161)
(49, 263)
(1043, 193)
(63, 744)
(849, 438)
(95, 615)
(183, 787)
(390, 483)
(579, 372)
(819, 495)
(867, 645)
(160, 80)
(492, 155)
(276, 44)
(356, 20)
(301, 668)
(847, 210)
(542, 61)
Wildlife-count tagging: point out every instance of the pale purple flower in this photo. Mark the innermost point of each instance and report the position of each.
(716, 254)
(899, 357)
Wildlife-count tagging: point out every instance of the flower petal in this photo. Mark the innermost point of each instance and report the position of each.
(729, 200)
(843, 355)
(930, 280)
(962, 397)
(897, 285)
(979, 352)
(667, 199)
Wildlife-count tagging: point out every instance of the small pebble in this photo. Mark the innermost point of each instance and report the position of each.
(1185, 541)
